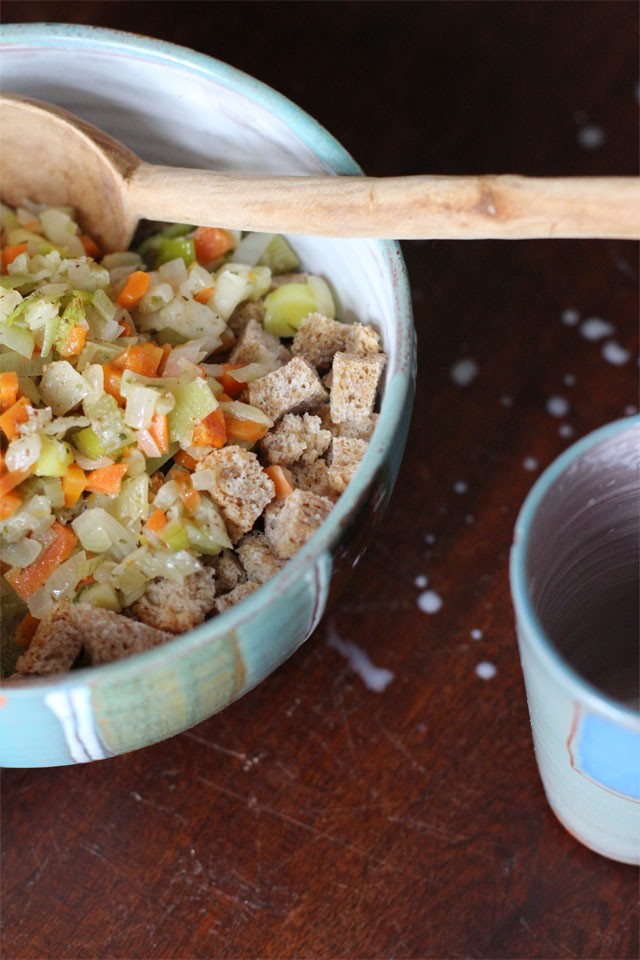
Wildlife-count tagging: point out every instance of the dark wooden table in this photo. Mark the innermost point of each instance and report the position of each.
(317, 818)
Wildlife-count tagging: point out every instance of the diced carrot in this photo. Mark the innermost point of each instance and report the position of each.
(74, 344)
(159, 430)
(112, 377)
(9, 503)
(128, 330)
(155, 524)
(74, 483)
(25, 630)
(203, 295)
(148, 444)
(33, 226)
(211, 242)
(15, 415)
(188, 494)
(27, 581)
(91, 248)
(281, 480)
(107, 479)
(9, 480)
(231, 386)
(212, 431)
(134, 289)
(166, 350)
(10, 253)
(223, 398)
(143, 358)
(8, 389)
(248, 430)
(185, 459)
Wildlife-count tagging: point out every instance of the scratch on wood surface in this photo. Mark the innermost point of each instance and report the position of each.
(214, 746)
(400, 747)
(254, 804)
(157, 806)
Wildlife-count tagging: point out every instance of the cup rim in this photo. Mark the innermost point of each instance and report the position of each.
(526, 616)
(398, 388)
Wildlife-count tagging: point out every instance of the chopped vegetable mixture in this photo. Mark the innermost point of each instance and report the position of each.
(176, 421)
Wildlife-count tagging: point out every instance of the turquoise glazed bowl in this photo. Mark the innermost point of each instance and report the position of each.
(174, 106)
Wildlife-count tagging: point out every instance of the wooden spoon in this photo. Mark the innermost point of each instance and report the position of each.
(50, 156)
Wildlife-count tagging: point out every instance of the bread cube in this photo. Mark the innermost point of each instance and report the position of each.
(294, 387)
(298, 518)
(296, 438)
(257, 346)
(354, 386)
(240, 489)
(318, 339)
(257, 557)
(176, 605)
(235, 596)
(346, 455)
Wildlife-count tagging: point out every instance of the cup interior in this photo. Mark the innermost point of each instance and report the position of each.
(582, 565)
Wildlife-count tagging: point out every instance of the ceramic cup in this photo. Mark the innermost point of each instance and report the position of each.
(575, 567)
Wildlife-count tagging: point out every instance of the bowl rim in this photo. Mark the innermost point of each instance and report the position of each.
(537, 638)
(399, 383)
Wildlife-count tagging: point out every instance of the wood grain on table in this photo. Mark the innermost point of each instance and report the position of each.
(317, 818)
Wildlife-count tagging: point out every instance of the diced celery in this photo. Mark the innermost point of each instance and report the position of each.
(10, 281)
(279, 256)
(103, 305)
(170, 248)
(177, 229)
(156, 463)
(17, 338)
(101, 352)
(208, 519)
(87, 443)
(100, 595)
(132, 502)
(203, 540)
(51, 327)
(108, 423)
(24, 367)
(99, 532)
(55, 458)
(194, 401)
(286, 306)
(175, 536)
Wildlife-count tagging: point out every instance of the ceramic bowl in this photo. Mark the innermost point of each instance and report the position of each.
(172, 105)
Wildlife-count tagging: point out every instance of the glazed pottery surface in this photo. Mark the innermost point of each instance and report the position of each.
(172, 105)
(574, 580)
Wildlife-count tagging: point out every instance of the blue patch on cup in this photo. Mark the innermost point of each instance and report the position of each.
(609, 754)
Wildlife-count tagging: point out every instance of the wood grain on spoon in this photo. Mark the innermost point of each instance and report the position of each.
(50, 156)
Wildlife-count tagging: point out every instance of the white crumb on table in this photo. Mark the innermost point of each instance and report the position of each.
(591, 136)
(430, 601)
(430, 538)
(630, 409)
(569, 380)
(570, 317)
(557, 406)
(460, 486)
(594, 328)
(374, 678)
(486, 670)
(566, 430)
(530, 463)
(476, 634)
(421, 581)
(463, 372)
(614, 353)
(469, 518)
(506, 400)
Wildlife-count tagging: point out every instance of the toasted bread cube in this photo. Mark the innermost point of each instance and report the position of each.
(257, 346)
(56, 643)
(296, 521)
(313, 477)
(346, 455)
(109, 636)
(296, 438)
(362, 340)
(176, 605)
(359, 429)
(228, 571)
(257, 557)
(235, 596)
(240, 489)
(293, 388)
(355, 382)
(245, 312)
(318, 339)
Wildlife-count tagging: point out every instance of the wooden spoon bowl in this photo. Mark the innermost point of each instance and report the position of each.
(112, 189)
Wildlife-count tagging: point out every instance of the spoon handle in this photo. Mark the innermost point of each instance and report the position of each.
(500, 207)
